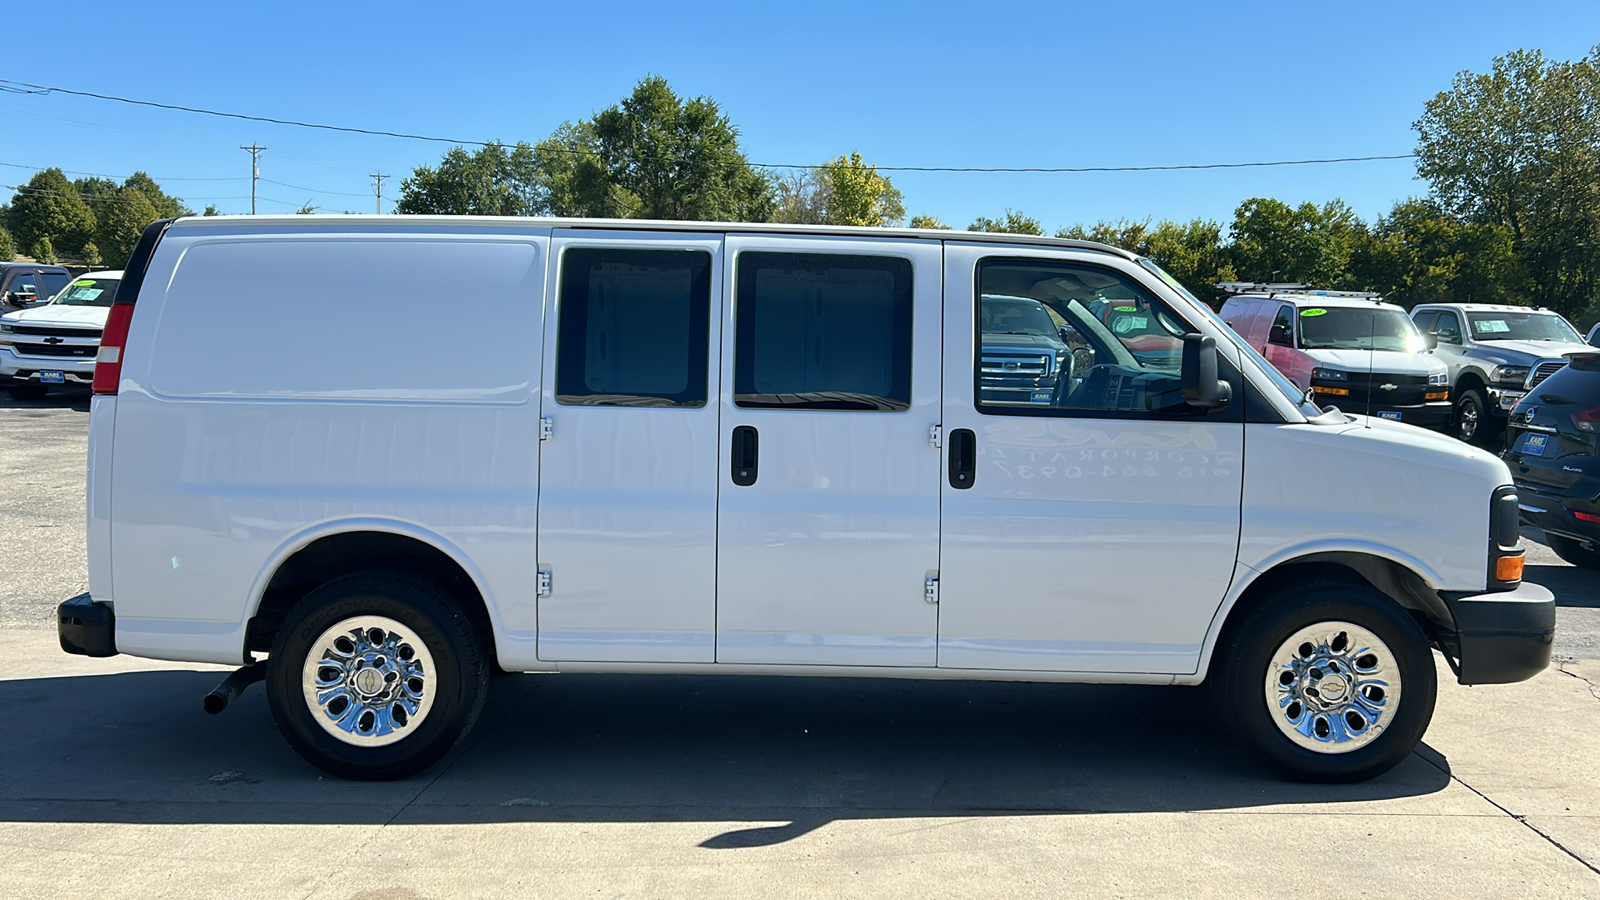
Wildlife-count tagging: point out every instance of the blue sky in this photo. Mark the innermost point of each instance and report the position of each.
(925, 83)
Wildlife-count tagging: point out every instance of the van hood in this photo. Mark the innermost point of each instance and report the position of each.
(1524, 352)
(1389, 362)
(1398, 440)
(68, 316)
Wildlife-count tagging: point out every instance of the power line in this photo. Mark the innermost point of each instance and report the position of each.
(46, 89)
(120, 177)
(299, 187)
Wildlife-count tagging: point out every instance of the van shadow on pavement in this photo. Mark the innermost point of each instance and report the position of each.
(136, 747)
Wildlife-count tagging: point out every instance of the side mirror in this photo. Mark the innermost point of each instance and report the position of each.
(1280, 335)
(1067, 334)
(1430, 341)
(1201, 386)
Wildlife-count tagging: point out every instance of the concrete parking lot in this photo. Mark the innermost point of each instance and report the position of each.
(114, 783)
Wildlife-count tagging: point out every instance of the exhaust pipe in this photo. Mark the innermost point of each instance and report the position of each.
(234, 685)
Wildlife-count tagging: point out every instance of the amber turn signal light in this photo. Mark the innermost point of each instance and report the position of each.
(1508, 568)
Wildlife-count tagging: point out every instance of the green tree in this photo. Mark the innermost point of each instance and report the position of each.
(166, 207)
(1192, 252)
(1519, 147)
(49, 207)
(123, 222)
(661, 158)
(91, 254)
(841, 191)
(1013, 223)
(1418, 253)
(43, 250)
(306, 210)
(211, 210)
(926, 221)
(1273, 241)
(489, 181)
(8, 246)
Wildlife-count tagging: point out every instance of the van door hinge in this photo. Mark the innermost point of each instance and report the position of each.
(930, 589)
(936, 436)
(544, 582)
(545, 428)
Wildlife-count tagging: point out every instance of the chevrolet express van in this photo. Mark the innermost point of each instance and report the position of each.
(689, 447)
(1350, 350)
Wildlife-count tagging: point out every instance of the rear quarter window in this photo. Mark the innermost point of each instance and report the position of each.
(351, 319)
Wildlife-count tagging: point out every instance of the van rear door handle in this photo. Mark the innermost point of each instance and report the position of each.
(745, 456)
(963, 458)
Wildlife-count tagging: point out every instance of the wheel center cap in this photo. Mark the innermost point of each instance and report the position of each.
(369, 681)
(1332, 689)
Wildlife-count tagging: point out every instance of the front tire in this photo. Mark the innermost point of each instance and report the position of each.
(1329, 681)
(1583, 554)
(376, 676)
(1474, 423)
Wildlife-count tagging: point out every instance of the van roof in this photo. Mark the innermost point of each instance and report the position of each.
(502, 222)
(1331, 301)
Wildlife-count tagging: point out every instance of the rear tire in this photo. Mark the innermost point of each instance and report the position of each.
(1328, 680)
(376, 676)
(28, 392)
(1583, 554)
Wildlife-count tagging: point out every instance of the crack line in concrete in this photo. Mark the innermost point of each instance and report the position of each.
(1561, 666)
(1522, 820)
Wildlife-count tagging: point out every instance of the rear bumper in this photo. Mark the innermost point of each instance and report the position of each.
(87, 627)
(1552, 514)
(1500, 638)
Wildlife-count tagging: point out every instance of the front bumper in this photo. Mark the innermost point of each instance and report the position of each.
(1500, 638)
(16, 369)
(1501, 400)
(87, 627)
(1426, 415)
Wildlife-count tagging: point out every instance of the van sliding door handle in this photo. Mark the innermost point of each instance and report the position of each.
(745, 455)
(963, 458)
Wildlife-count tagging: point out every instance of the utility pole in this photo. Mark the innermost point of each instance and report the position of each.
(255, 172)
(377, 189)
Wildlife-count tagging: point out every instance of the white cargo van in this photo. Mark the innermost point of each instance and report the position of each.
(703, 448)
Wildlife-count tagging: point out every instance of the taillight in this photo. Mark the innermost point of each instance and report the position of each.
(108, 362)
(1587, 420)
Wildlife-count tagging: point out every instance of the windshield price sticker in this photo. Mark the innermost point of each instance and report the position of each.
(87, 293)
(1126, 308)
(1308, 313)
(83, 284)
(1491, 326)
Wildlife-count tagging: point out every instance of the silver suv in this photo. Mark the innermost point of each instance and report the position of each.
(1495, 354)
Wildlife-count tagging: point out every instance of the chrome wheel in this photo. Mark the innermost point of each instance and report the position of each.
(369, 681)
(1470, 414)
(1333, 687)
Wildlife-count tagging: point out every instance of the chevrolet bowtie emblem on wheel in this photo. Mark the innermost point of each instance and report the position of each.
(53, 340)
(1388, 387)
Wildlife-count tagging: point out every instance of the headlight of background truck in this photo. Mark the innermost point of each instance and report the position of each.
(1508, 374)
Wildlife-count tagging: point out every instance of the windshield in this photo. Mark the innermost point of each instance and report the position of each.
(1016, 315)
(1358, 328)
(88, 292)
(1279, 380)
(1519, 326)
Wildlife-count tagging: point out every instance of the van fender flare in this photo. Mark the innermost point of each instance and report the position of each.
(1245, 575)
(310, 534)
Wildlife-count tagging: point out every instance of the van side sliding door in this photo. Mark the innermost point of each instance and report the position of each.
(828, 519)
(628, 473)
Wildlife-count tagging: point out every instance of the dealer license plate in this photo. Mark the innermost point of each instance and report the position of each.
(53, 377)
(1534, 444)
(1391, 416)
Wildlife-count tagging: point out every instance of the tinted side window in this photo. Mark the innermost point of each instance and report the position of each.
(634, 327)
(822, 331)
(1059, 339)
(1426, 322)
(51, 284)
(1449, 328)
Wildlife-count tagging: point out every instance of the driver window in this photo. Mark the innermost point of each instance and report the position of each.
(1282, 332)
(1449, 328)
(1064, 339)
